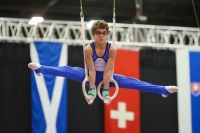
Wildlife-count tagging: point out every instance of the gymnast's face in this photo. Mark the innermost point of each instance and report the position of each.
(100, 36)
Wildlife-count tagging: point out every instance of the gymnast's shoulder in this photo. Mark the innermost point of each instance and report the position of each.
(113, 49)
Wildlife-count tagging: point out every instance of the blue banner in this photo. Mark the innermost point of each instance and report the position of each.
(49, 93)
(195, 90)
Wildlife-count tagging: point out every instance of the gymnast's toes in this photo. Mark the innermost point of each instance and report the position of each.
(171, 89)
(34, 66)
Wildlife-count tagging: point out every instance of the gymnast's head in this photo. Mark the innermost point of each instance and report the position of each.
(99, 24)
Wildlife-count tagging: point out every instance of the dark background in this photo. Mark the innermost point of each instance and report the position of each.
(158, 115)
(159, 12)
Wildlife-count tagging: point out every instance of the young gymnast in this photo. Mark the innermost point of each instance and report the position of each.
(100, 56)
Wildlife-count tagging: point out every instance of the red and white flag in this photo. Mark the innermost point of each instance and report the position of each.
(123, 114)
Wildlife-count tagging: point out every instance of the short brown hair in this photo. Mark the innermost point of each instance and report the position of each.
(99, 24)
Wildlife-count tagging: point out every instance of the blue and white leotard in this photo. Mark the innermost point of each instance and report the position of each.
(100, 62)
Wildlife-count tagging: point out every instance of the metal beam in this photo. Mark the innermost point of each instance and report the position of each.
(126, 34)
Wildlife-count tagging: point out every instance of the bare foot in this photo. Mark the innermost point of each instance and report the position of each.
(34, 66)
(171, 89)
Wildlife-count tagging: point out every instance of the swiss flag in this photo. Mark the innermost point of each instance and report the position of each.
(123, 114)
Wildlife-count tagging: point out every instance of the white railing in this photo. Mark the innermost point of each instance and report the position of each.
(126, 34)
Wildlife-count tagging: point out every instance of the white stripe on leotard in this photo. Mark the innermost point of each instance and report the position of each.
(99, 64)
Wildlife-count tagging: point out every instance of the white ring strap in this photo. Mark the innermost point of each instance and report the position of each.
(111, 80)
(86, 70)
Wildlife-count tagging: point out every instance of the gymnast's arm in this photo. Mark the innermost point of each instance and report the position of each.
(109, 66)
(89, 61)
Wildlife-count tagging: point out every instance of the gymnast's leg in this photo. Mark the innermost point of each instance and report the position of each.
(132, 83)
(74, 73)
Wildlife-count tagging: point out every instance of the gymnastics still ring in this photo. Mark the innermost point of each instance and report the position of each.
(90, 100)
(111, 80)
(116, 90)
(84, 90)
